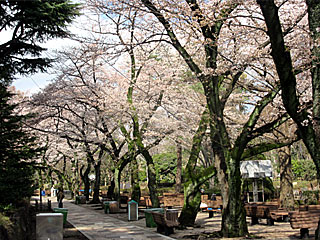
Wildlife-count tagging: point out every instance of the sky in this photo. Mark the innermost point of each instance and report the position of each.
(34, 83)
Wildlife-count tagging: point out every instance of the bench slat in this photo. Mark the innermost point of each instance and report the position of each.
(304, 225)
(160, 219)
(304, 219)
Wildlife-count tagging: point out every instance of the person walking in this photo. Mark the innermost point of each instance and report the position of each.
(60, 197)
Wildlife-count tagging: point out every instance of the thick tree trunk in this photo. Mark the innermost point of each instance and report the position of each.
(192, 201)
(86, 183)
(233, 215)
(152, 183)
(221, 169)
(308, 130)
(211, 182)
(192, 195)
(179, 168)
(286, 176)
(314, 142)
(117, 178)
(75, 178)
(96, 188)
(85, 180)
(110, 191)
(135, 186)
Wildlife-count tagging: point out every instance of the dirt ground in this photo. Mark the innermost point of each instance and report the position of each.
(205, 226)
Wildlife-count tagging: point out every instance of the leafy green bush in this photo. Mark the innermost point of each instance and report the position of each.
(5, 223)
(304, 169)
(310, 197)
(165, 164)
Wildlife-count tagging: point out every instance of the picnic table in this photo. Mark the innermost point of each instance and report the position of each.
(269, 211)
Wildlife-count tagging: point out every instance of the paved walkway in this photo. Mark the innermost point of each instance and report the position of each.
(96, 226)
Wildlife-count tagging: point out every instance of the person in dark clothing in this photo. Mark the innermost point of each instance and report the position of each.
(213, 197)
(60, 197)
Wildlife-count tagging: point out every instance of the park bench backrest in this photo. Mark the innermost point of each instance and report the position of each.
(159, 218)
(304, 219)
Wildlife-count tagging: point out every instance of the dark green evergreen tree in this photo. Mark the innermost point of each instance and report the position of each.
(29, 24)
(17, 151)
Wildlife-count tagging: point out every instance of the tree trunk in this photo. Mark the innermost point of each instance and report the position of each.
(152, 185)
(75, 178)
(212, 183)
(192, 195)
(221, 168)
(152, 182)
(96, 188)
(192, 201)
(314, 25)
(308, 130)
(110, 191)
(234, 215)
(286, 176)
(135, 186)
(86, 180)
(179, 167)
(117, 178)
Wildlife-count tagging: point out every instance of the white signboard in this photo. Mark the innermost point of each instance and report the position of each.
(256, 169)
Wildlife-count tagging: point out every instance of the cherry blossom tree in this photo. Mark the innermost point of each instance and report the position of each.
(179, 51)
(143, 58)
(182, 25)
(304, 111)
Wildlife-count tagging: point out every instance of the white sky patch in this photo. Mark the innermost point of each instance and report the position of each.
(34, 83)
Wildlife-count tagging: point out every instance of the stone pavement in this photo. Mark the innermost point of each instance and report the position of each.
(96, 226)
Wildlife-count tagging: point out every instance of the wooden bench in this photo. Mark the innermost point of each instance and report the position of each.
(313, 207)
(164, 225)
(279, 214)
(256, 211)
(211, 211)
(176, 200)
(213, 206)
(304, 220)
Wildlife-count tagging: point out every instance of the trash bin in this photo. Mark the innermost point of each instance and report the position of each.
(149, 219)
(77, 201)
(64, 211)
(106, 207)
(49, 226)
(133, 214)
(113, 207)
(83, 200)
